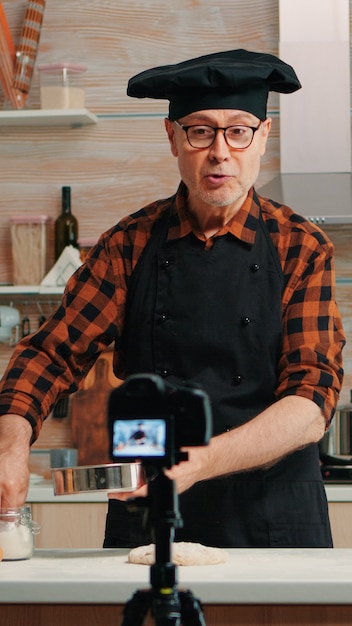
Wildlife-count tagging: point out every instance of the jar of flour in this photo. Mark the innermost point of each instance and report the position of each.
(17, 531)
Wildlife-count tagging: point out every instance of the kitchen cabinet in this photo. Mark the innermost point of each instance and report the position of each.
(82, 525)
(79, 521)
(341, 523)
(214, 615)
(66, 525)
(67, 521)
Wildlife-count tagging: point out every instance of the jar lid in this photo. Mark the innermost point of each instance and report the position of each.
(59, 67)
(29, 219)
(87, 242)
(13, 513)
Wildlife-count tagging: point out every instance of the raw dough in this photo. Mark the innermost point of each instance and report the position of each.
(183, 553)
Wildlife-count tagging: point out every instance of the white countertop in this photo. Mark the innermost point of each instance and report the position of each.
(43, 492)
(250, 576)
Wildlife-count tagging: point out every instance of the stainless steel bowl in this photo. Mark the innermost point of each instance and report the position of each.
(118, 477)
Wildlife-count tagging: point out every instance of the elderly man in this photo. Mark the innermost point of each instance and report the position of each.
(215, 286)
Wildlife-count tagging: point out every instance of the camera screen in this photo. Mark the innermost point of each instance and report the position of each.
(138, 438)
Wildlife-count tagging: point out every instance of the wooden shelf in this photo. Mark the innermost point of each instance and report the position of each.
(29, 290)
(48, 117)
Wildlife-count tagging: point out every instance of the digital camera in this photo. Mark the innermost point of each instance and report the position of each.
(150, 420)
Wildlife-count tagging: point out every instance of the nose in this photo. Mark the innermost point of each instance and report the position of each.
(219, 149)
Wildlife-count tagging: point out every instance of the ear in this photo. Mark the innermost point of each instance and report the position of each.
(170, 129)
(265, 130)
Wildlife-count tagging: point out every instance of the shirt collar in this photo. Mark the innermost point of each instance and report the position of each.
(243, 225)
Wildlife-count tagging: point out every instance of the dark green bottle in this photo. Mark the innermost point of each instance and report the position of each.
(66, 225)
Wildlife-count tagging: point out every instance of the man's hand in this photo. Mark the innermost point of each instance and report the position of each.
(189, 472)
(15, 435)
(185, 474)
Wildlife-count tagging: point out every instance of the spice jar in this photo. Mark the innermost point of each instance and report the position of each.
(17, 532)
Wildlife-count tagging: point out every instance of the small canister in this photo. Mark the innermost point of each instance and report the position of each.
(29, 253)
(61, 86)
(17, 531)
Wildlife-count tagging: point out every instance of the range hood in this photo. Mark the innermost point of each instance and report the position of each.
(323, 198)
(315, 177)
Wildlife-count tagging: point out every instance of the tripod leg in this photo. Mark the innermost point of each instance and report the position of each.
(191, 610)
(136, 609)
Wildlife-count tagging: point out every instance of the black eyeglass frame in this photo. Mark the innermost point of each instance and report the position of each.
(216, 128)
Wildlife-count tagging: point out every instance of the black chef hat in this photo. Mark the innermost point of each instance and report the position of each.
(235, 79)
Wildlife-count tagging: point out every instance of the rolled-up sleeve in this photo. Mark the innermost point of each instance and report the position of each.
(57, 357)
(313, 336)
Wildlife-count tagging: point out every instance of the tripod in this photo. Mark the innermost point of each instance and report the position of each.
(168, 605)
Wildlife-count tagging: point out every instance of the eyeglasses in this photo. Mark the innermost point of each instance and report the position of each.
(201, 136)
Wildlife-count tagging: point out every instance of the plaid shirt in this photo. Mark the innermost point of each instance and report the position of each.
(56, 358)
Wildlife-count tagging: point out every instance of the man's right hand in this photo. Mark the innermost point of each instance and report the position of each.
(15, 436)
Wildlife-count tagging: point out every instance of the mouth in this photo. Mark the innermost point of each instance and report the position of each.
(217, 179)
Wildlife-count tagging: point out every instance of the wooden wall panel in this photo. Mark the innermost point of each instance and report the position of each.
(114, 168)
(124, 161)
(118, 38)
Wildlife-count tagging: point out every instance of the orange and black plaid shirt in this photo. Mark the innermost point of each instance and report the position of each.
(56, 358)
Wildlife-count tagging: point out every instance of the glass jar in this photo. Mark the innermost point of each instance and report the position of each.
(61, 86)
(29, 248)
(17, 532)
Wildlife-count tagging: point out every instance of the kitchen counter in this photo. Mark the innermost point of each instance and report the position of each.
(314, 576)
(43, 492)
(280, 587)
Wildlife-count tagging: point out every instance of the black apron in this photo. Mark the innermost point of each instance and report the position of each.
(213, 317)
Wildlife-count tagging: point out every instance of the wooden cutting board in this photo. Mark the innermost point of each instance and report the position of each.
(89, 417)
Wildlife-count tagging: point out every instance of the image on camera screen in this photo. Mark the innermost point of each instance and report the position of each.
(139, 438)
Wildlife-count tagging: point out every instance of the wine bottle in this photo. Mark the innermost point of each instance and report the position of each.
(66, 225)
